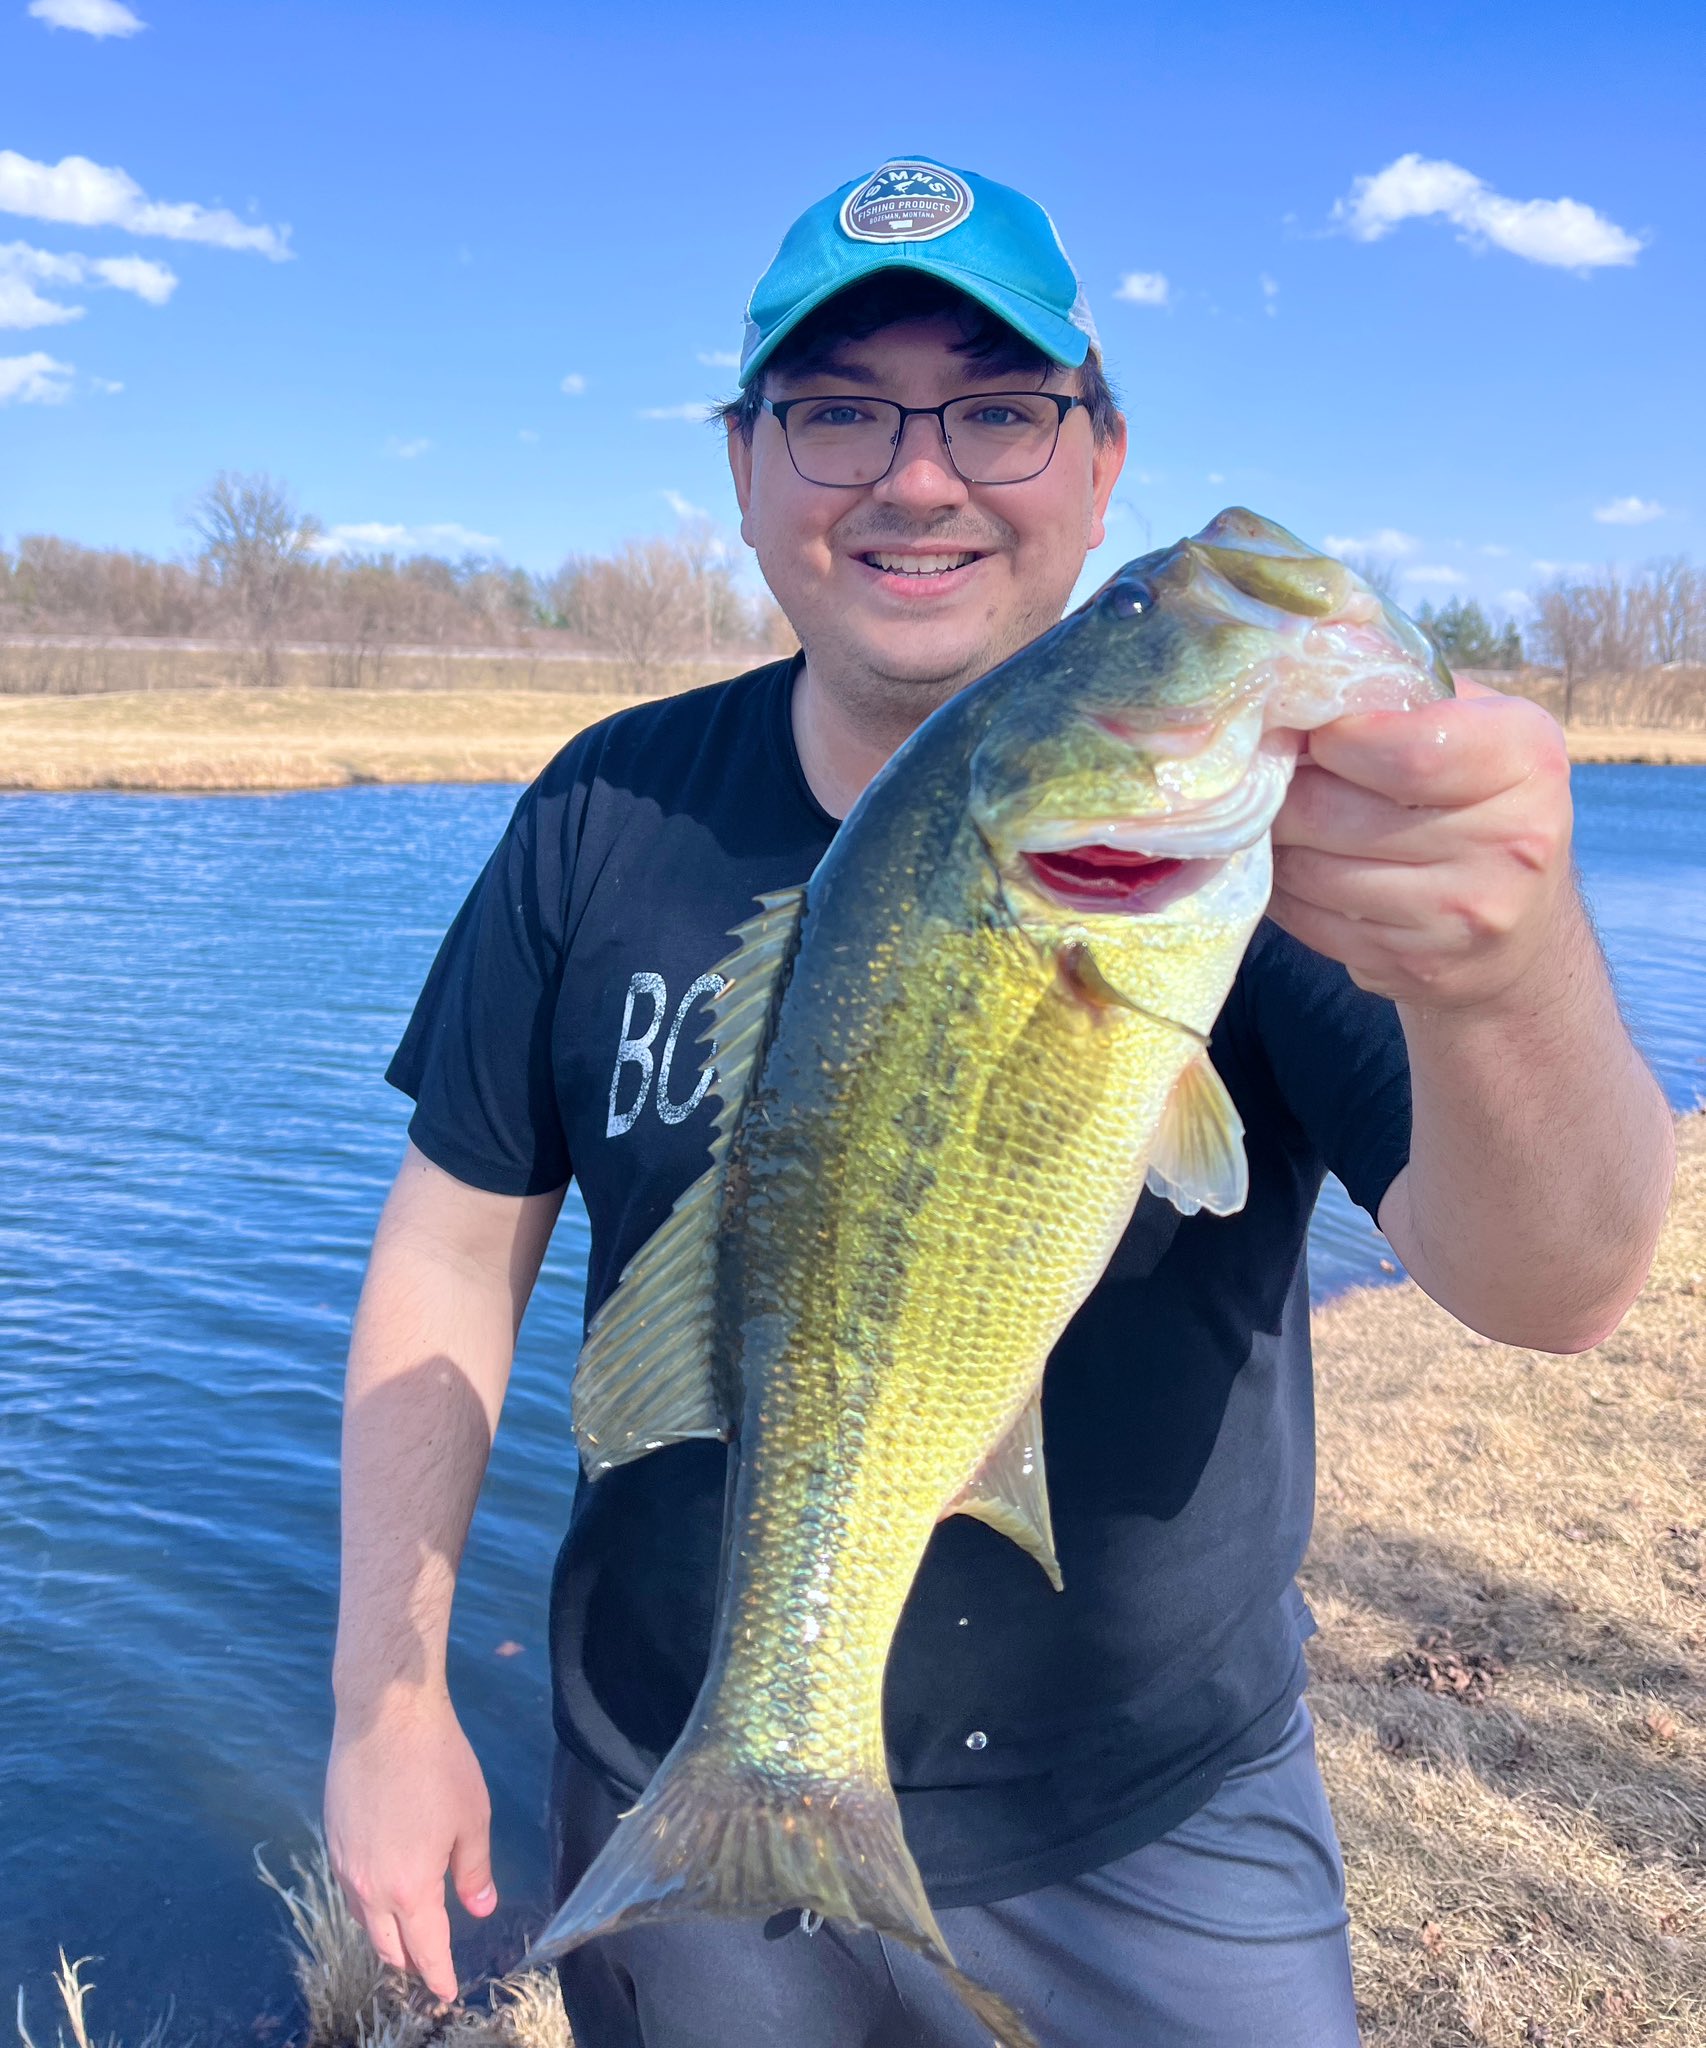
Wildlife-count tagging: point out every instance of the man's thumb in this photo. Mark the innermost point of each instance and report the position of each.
(471, 1873)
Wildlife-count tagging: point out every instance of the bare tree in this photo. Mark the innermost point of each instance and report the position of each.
(1379, 572)
(257, 549)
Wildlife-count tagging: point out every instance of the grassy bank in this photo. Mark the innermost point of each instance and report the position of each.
(290, 738)
(303, 737)
(1509, 1570)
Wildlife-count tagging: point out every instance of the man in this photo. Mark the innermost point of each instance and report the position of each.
(1111, 1791)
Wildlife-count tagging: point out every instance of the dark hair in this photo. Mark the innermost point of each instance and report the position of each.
(891, 296)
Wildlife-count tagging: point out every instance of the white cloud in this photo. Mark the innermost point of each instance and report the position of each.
(139, 274)
(1439, 573)
(93, 17)
(378, 534)
(1493, 548)
(573, 384)
(406, 451)
(719, 358)
(85, 194)
(23, 268)
(1215, 477)
(683, 508)
(1629, 512)
(1270, 294)
(1386, 542)
(1516, 600)
(34, 380)
(107, 386)
(1543, 568)
(1143, 288)
(690, 409)
(527, 436)
(1562, 232)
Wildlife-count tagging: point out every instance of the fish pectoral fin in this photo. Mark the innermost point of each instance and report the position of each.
(644, 1377)
(1009, 1490)
(1084, 977)
(1198, 1161)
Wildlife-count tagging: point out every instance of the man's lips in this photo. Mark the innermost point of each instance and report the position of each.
(916, 571)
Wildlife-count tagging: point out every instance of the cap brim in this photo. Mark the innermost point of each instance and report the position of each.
(1058, 338)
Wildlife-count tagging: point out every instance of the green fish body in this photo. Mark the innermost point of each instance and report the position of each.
(948, 1068)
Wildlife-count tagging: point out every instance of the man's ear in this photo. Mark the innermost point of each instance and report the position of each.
(740, 468)
(1106, 462)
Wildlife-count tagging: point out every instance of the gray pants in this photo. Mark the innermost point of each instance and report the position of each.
(1230, 1932)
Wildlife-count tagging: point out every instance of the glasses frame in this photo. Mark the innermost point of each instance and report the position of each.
(1060, 400)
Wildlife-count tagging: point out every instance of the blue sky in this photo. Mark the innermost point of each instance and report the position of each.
(363, 248)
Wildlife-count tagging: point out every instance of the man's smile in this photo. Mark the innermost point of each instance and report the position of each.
(918, 572)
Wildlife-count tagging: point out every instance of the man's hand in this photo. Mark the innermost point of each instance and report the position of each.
(405, 1801)
(1429, 850)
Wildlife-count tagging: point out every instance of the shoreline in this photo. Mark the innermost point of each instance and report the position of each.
(233, 740)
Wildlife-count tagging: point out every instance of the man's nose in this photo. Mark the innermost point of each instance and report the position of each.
(922, 475)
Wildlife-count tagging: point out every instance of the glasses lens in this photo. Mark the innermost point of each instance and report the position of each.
(1002, 437)
(842, 440)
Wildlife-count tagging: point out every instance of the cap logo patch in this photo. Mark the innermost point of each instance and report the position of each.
(905, 202)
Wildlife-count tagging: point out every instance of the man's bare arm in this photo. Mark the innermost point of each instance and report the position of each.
(1430, 852)
(450, 1274)
(1541, 1158)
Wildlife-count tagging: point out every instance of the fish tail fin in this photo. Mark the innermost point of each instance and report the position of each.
(711, 1836)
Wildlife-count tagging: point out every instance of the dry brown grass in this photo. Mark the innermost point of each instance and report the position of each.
(236, 737)
(1511, 1671)
(290, 738)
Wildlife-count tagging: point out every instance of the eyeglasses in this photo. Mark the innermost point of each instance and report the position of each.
(991, 437)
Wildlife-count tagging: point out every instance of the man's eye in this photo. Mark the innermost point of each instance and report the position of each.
(999, 416)
(836, 416)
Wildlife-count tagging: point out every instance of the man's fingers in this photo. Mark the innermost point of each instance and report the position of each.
(426, 1938)
(1323, 810)
(387, 1941)
(471, 1872)
(1459, 751)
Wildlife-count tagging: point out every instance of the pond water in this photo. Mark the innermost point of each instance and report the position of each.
(197, 1000)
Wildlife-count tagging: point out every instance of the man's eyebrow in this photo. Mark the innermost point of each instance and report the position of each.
(831, 366)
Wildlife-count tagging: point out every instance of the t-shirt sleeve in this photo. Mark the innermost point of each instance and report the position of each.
(1338, 1058)
(476, 1056)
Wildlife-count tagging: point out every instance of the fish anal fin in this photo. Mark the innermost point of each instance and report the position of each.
(715, 1835)
(1009, 1490)
(1198, 1159)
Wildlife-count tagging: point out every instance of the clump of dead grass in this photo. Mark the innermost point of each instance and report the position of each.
(350, 1999)
(1509, 1570)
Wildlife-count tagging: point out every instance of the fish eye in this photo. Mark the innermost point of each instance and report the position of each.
(1131, 599)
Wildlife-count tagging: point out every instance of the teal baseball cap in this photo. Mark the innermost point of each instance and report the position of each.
(912, 213)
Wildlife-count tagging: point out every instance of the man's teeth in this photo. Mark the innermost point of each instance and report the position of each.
(919, 565)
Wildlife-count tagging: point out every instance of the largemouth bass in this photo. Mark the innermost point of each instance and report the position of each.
(948, 1067)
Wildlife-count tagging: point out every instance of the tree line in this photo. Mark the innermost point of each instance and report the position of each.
(260, 575)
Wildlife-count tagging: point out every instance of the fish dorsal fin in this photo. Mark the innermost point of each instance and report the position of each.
(753, 977)
(646, 1376)
(1198, 1161)
(1009, 1490)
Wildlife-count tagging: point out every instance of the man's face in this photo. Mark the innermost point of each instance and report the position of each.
(815, 543)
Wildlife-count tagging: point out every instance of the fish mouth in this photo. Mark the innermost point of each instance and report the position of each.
(1115, 878)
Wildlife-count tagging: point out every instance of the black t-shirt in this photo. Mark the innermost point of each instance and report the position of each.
(1032, 1734)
